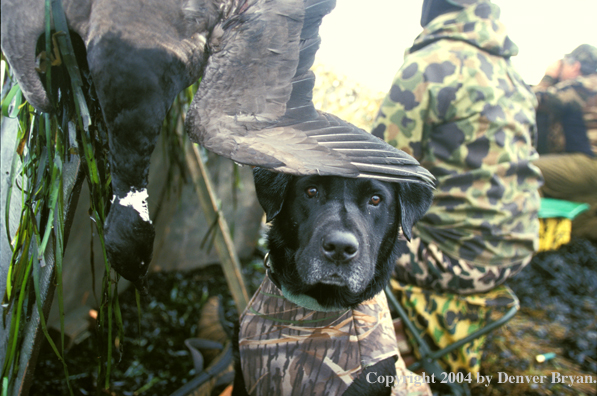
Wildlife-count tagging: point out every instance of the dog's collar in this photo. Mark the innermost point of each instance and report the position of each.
(266, 261)
(302, 300)
(305, 301)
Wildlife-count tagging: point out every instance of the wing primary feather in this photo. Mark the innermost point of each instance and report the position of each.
(395, 179)
(419, 171)
(365, 151)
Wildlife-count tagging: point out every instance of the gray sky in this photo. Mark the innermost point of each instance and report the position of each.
(366, 39)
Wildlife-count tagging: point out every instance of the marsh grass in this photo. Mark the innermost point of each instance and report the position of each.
(45, 142)
(74, 131)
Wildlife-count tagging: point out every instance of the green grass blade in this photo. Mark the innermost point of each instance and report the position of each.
(36, 270)
(147, 386)
(55, 190)
(13, 175)
(3, 68)
(65, 44)
(16, 94)
(59, 235)
(14, 327)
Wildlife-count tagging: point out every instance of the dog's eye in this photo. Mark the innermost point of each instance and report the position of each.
(375, 200)
(311, 192)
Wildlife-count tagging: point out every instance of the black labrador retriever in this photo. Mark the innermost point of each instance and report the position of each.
(333, 241)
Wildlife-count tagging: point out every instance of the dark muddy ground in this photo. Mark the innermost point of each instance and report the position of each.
(558, 294)
(558, 298)
(155, 360)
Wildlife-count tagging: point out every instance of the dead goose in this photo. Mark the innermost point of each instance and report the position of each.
(253, 105)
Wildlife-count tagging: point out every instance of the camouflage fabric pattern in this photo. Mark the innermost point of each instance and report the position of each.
(445, 318)
(579, 94)
(459, 107)
(425, 265)
(555, 141)
(286, 349)
(587, 56)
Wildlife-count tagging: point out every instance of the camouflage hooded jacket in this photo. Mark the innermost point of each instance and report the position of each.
(286, 349)
(459, 107)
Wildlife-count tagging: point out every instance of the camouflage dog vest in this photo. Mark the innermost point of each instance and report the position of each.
(286, 349)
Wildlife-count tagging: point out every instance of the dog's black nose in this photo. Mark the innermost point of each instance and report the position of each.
(340, 246)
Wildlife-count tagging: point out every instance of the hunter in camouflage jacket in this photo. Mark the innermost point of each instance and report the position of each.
(574, 95)
(568, 95)
(458, 106)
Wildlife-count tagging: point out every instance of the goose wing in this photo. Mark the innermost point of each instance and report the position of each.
(254, 104)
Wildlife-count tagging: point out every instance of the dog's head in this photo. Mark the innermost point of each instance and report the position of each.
(334, 238)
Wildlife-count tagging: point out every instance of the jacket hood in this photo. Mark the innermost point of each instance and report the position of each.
(477, 24)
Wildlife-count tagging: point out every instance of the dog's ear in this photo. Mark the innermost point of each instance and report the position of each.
(414, 199)
(271, 190)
